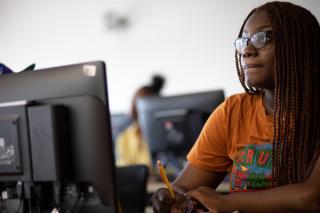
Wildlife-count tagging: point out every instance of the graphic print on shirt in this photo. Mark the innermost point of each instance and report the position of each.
(252, 169)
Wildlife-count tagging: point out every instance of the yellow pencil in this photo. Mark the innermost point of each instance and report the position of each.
(165, 178)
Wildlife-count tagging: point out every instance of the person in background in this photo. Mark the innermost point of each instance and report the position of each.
(131, 147)
(267, 138)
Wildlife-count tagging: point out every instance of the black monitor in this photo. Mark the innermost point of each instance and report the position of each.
(56, 140)
(172, 124)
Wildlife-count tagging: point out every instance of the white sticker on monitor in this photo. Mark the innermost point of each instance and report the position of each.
(2, 143)
(89, 70)
(7, 155)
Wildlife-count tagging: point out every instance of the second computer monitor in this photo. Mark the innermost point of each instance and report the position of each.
(171, 124)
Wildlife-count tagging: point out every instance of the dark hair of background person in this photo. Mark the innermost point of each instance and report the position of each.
(153, 88)
(296, 142)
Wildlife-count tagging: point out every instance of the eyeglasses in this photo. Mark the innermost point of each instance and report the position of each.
(257, 40)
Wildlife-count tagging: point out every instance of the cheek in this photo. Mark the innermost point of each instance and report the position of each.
(270, 64)
(269, 70)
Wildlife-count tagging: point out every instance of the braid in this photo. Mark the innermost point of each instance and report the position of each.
(296, 117)
(295, 145)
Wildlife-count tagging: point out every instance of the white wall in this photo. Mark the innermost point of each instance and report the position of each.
(189, 41)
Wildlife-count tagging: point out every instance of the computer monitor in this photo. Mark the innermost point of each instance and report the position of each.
(171, 124)
(119, 122)
(55, 136)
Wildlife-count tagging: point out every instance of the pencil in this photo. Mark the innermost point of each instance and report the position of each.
(165, 178)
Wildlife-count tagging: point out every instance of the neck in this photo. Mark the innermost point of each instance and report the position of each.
(268, 101)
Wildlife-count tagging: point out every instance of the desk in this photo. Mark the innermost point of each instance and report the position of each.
(154, 184)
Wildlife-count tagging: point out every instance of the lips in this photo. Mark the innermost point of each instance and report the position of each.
(250, 66)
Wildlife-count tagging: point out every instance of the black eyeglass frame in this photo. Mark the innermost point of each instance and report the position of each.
(245, 40)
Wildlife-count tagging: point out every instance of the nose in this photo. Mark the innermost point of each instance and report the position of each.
(249, 51)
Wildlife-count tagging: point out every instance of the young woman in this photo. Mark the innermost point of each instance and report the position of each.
(268, 138)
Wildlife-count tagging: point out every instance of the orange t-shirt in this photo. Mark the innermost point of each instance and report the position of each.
(237, 138)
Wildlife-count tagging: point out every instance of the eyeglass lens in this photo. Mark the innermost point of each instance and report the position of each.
(257, 40)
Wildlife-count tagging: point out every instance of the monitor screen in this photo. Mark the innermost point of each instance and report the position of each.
(171, 124)
(55, 129)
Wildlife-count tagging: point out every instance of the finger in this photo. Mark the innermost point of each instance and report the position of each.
(164, 196)
(206, 197)
(202, 211)
(158, 206)
(161, 201)
(177, 208)
(161, 210)
(194, 194)
(155, 203)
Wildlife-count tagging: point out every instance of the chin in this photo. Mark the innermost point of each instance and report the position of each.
(252, 83)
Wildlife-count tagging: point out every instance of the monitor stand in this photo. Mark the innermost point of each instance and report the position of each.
(47, 198)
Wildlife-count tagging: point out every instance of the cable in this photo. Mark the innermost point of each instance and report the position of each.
(29, 204)
(21, 206)
(81, 195)
(3, 202)
(3, 209)
(19, 189)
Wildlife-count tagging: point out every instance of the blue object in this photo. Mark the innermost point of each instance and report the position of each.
(4, 69)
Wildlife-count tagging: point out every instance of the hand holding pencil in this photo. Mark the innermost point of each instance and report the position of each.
(177, 200)
(183, 202)
(164, 178)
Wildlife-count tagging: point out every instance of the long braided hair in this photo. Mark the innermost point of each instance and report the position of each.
(296, 142)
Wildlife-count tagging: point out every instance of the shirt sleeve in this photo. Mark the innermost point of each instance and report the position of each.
(210, 150)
